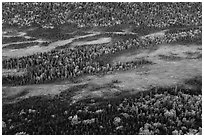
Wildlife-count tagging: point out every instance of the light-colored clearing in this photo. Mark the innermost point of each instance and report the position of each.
(157, 34)
(98, 41)
(33, 90)
(39, 49)
(22, 42)
(166, 50)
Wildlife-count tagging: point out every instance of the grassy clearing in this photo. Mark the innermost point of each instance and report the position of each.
(93, 42)
(108, 58)
(21, 45)
(6, 40)
(89, 38)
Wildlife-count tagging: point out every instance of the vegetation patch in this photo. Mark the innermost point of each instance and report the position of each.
(21, 45)
(6, 40)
